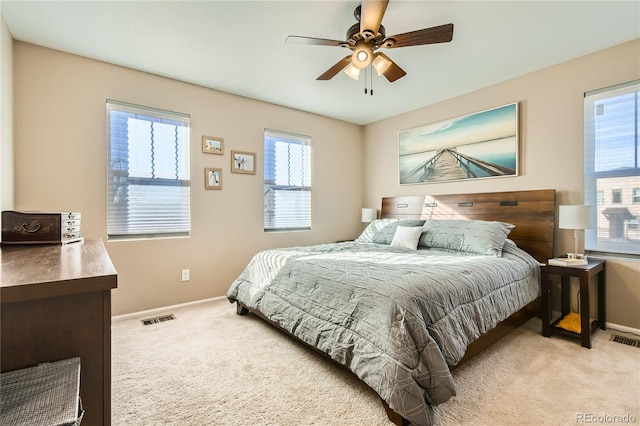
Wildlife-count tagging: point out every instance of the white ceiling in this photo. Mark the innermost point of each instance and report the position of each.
(239, 46)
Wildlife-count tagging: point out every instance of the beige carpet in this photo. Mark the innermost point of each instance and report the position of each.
(213, 367)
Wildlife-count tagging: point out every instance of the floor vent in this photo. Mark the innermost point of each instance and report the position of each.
(625, 340)
(156, 320)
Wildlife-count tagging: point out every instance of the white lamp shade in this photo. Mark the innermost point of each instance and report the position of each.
(381, 63)
(575, 217)
(369, 215)
(352, 71)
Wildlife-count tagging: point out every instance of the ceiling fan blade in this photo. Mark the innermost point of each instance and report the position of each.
(314, 41)
(394, 72)
(331, 72)
(439, 34)
(371, 15)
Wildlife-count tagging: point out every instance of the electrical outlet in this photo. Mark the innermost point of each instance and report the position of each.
(185, 275)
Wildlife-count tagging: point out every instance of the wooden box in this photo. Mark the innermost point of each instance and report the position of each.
(40, 228)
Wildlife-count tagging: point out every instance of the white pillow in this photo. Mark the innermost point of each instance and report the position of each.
(407, 237)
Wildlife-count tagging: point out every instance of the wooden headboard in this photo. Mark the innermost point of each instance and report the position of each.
(532, 212)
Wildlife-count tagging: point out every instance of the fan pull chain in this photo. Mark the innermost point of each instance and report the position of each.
(365, 81)
(370, 91)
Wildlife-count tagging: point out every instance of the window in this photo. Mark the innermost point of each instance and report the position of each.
(148, 172)
(616, 196)
(612, 166)
(287, 181)
(636, 195)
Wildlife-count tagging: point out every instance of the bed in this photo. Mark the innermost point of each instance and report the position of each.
(402, 316)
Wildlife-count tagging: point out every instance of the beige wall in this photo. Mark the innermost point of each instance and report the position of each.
(61, 154)
(551, 148)
(6, 117)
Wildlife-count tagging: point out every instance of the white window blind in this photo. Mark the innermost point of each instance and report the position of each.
(148, 172)
(287, 181)
(612, 168)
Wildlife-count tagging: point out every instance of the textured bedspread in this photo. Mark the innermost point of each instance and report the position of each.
(397, 318)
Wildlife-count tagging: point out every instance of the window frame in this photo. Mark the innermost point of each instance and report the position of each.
(593, 243)
(269, 172)
(119, 229)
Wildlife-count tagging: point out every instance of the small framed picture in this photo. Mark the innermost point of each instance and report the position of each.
(243, 162)
(212, 145)
(212, 178)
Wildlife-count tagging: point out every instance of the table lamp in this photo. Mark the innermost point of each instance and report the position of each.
(576, 218)
(369, 215)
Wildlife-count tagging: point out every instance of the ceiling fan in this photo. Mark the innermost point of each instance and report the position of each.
(367, 35)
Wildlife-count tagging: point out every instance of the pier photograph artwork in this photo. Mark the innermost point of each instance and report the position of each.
(480, 145)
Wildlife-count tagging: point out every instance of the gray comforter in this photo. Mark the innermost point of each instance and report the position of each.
(397, 318)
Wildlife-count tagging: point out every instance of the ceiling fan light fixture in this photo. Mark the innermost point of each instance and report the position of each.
(352, 71)
(366, 36)
(362, 55)
(381, 63)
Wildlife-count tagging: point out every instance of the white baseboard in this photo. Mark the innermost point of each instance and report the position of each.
(163, 309)
(623, 328)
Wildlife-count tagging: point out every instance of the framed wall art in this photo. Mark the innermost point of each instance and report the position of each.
(212, 178)
(243, 162)
(480, 145)
(212, 145)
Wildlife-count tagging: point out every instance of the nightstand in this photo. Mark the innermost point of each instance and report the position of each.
(595, 267)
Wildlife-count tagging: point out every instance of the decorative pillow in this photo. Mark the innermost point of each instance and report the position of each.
(372, 228)
(407, 237)
(386, 234)
(470, 236)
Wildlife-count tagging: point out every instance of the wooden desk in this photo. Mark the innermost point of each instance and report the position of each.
(595, 267)
(56, 304)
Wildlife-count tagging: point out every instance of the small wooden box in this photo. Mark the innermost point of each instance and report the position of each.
(40, 228)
